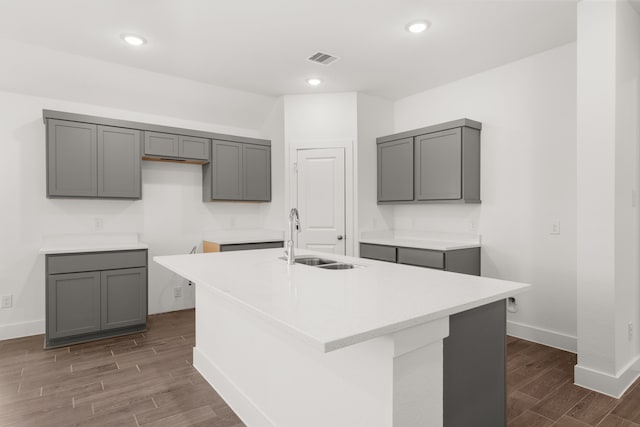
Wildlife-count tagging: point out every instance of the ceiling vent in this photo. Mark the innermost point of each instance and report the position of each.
(322, 58)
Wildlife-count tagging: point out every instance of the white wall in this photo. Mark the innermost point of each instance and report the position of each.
(607, 261)
(171, 216)
(528, 112)
(274, 213)
(627, 139)
(49, 73)
(375, 119)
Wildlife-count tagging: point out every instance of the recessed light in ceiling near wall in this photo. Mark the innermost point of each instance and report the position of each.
(417, 27)
(133, 40)
(314, 81)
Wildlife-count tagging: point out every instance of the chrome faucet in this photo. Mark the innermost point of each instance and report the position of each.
(294, 225)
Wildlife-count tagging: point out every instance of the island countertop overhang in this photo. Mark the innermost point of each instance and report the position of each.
(331, 309)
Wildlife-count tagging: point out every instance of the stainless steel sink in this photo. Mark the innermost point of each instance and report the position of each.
(337, 266)
(314, 261)
(327, 264)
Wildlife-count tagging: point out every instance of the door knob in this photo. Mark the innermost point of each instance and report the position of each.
(340, 237)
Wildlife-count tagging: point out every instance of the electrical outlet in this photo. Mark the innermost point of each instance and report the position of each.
(98, 224)
(177, 292)
(630, 331)
(7, 301)
(473, 225)
(512, 305)
(555, 227)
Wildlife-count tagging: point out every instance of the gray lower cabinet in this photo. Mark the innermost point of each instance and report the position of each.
(474, 375)
(228, 247)
(91, 161)
(123, 297)
(166, 146)
(466, 261)
(474, 372)
(237, 172)
(436, 164)
(395, 170)
(95, 295)
(73, 303)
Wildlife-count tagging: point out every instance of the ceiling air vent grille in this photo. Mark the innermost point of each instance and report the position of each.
(322, 58)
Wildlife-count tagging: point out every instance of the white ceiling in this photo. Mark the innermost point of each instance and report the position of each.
(261, 46)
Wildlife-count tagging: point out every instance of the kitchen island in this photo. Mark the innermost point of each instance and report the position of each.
(299, 345)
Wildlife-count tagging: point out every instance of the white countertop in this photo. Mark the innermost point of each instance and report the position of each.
(73, 243)
(229, 237)
(331, 309)
(421, 240)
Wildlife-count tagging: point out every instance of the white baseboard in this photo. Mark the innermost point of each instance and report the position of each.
(543, 336)
(232, 395)
(24, 329)
(611, 385)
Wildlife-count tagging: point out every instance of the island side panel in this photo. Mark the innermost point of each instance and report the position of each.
(475, 367)
(270, 377)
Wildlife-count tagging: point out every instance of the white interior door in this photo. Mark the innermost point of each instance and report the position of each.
(320, 199)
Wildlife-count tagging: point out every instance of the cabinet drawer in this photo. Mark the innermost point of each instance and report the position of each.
(249, 246)
(93, 261)
(160, 144)
(421, 257)
(191, 147)
(379, 252)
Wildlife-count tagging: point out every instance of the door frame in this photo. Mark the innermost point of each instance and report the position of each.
(350, 202)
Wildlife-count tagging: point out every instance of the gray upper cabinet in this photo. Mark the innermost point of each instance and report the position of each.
(119, 163)
(98, 157)
(72, 160)
(436, 164)
(193, 148)
(395, 170)
(160, 144)
(86, 160)
(257, 172)
(237, 172)
(227, 174)
(166, 146)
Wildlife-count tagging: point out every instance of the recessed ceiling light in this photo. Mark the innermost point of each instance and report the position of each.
(133, 40)
(417, 27)
(314, 81)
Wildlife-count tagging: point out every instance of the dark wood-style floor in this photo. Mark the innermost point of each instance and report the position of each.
(147, 379)
(541, 393)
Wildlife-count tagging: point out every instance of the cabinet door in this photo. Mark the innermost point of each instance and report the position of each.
(160, 144)
(194, 148)
(395, 170)
(226, 170)
(439, 166)
(73, 304)
(256, 166)
(71, 159)
(124, 297)
(118, 162)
